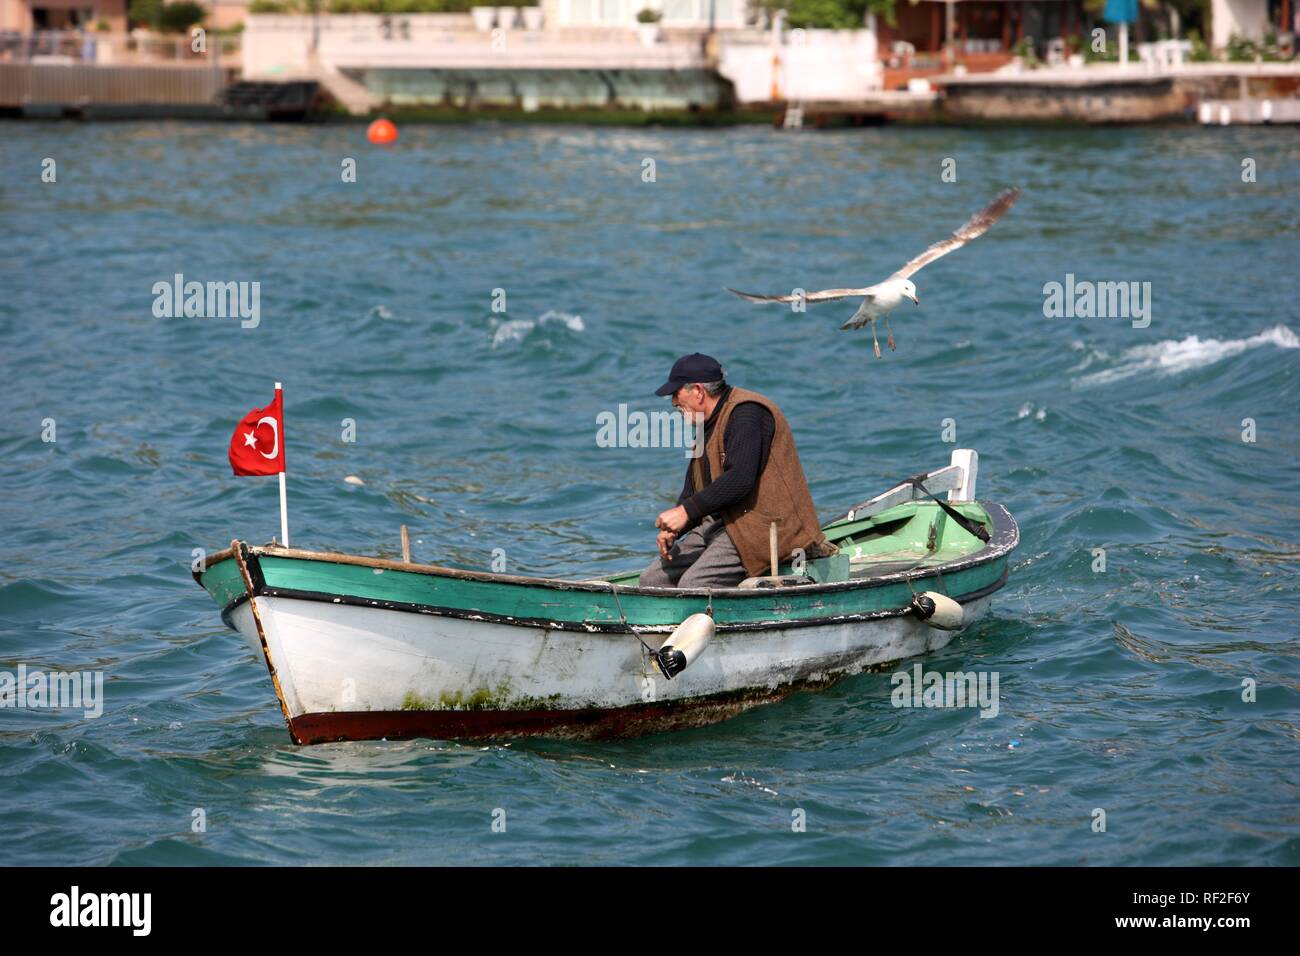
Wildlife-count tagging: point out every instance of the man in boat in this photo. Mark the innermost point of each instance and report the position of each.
(748, 477)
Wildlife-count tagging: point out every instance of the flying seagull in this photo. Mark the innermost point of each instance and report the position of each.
(882, 298)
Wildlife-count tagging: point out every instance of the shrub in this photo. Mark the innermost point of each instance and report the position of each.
(166, 17)
(271, 6)
(1201, 52)
(145, 13)
(1025, 50)
(405, 6)
(179, 17)
(1241, 50)
(832, 14)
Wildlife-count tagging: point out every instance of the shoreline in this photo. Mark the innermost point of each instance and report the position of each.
(624, 119)
(1029, 99)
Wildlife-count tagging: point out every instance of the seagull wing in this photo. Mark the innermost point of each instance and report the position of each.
(825, 295)
(975, 227)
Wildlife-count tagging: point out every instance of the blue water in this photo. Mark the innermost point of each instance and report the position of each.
(1120, 690)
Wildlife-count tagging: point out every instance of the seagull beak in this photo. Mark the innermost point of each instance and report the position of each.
(916, 300)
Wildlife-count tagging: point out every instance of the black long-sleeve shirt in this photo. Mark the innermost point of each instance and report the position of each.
(748, 441)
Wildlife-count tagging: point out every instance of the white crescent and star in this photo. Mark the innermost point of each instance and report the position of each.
(250, 438)
(275, 427)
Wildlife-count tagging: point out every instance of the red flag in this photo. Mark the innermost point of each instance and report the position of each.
(257, 447)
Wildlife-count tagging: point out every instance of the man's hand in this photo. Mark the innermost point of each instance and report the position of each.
(665, 541)
(674, 520)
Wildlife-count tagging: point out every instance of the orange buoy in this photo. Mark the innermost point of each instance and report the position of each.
(382, 132)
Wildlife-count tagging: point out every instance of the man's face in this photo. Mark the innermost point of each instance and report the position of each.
(690, 399)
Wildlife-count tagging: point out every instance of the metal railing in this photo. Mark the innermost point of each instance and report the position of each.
(85, 84)
(137, 48)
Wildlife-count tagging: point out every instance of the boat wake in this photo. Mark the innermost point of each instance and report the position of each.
(1174, 357)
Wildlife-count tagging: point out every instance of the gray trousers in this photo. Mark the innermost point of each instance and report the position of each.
(704, 557)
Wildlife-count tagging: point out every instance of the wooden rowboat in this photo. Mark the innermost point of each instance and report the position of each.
(364, 648)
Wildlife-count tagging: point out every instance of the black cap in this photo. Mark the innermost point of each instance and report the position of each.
(690, 369)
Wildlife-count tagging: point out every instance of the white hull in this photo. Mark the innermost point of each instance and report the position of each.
(343, 660)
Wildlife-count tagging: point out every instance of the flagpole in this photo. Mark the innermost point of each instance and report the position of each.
(284, 501)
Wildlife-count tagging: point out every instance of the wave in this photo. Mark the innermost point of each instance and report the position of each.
(573, 323)
(1174, 357)
(515, 330)
(512, 330)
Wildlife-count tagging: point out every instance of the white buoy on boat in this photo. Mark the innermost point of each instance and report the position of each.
(937, 610)
(685, 644)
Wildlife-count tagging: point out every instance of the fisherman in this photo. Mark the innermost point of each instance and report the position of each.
(748, 477)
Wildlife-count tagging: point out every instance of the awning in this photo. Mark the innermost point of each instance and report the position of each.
(1120, 11)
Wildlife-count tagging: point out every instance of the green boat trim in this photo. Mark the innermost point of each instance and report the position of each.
(882, 561)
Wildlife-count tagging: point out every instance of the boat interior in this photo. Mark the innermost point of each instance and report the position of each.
(915, 534)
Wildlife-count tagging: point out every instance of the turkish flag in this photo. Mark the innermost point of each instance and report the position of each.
(257, 447)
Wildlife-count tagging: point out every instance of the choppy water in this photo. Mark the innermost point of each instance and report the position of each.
(1120, 690)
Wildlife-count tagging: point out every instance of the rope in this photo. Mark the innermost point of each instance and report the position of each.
(966, 523)
(943, 588)
(613, 589)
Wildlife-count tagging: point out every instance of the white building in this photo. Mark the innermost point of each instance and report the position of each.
(676, 13)
(1250, 19)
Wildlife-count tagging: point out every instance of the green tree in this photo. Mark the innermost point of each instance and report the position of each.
(166, 17)
(145, 12)
(832, 14)
(179, 17)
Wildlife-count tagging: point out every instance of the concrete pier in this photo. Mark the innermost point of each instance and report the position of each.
(1248, 112)
(90, 91)
(1111, 94)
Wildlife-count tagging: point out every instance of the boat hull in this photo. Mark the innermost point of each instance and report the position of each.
(362, 648)
(348, 672)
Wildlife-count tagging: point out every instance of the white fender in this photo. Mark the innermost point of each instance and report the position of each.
(938, 610)
(685, 644)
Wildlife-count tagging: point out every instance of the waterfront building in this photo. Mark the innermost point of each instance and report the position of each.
(29, 16)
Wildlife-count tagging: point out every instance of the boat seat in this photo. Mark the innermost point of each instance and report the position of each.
(816, 571)
(782, 581)
(862, 569)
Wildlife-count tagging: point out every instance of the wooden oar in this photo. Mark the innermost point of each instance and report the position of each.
(775, 579)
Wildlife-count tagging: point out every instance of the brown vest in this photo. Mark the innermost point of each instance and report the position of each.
(780, 494)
